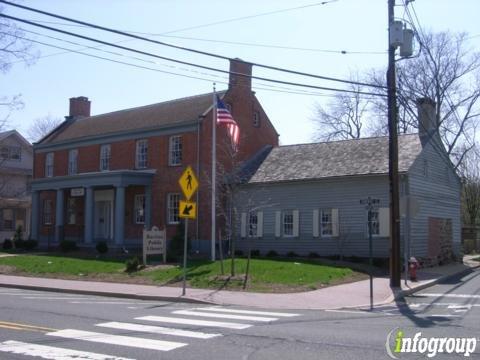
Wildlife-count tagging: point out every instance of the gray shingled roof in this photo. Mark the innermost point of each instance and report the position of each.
(145, 117)
(337, 158)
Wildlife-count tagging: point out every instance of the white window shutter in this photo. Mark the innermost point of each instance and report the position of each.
(315, 229)
(278, 223)
(335, 225)
(296, 217)
(243, 225)
(260, 224)
(384, 220)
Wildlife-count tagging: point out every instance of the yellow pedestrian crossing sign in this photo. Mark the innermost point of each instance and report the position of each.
(187, 210)
(188, 182)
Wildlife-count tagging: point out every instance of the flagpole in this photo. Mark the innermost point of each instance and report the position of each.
(214, 170)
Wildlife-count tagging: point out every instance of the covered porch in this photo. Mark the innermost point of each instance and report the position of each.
(99, 206)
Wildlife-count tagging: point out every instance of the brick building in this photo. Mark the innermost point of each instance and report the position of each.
(107, 177)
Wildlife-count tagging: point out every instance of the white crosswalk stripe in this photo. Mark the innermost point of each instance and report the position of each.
(186, 321)
(129, 341)
(224, 316)
(158, 330)
(248, 312)
(52, 353)
(192, 318)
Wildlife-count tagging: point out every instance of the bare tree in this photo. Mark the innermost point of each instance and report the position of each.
(345, 115)
(14, 47)
(42, 127)
(469, 170)
(448, 72)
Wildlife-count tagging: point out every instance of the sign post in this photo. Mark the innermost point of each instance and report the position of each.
(370, 205)
(187, 210)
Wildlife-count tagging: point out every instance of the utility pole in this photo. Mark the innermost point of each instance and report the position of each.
(393, 157)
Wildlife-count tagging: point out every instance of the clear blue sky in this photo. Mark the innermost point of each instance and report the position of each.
(351, 25)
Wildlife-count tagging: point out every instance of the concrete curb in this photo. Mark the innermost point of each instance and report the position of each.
(402, 293)
(110, 294)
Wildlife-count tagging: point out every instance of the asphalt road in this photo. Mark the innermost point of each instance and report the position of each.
(48, 325)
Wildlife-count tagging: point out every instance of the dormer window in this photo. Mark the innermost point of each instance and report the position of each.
(256, 119)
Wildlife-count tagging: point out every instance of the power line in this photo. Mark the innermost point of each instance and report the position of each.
(219, 79)
(270, 46)
(118, 32)
(184, 62)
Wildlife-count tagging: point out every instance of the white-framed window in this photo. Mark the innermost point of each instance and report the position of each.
(141, 154)
(49, 165)
(173, 202)
(73, 162)
(71, 211)
(326, 223)
(139, 210)
(47, 212)
(252, 224)
(256, 119)
(11, 153)
(175, 150)
(373, 218)
(105, 154)
(7, 220)
(287, 223)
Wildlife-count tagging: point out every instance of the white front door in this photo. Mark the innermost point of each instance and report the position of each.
(103, 216)
(103, 213)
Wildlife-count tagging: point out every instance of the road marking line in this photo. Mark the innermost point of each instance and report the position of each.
(104, 302)
(234, 311)
(224, 316)
(52, 353)
(463, 296)
(366, 312)
(118, 340)
(158, 330)
(184, 321)
(18, 326)
(458, 306)
(51, 298)
(446, 315)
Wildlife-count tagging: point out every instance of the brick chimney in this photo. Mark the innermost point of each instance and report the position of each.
(79, 107)
(240, 82)
(427, 120)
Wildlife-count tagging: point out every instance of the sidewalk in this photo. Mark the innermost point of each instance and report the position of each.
(340, 296)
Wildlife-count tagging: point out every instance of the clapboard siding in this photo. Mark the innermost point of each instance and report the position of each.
(343, 194)
(438, 195)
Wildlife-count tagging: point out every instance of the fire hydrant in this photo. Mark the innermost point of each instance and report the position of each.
(413, 265)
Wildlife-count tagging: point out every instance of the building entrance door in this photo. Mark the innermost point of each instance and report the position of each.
(103, 220)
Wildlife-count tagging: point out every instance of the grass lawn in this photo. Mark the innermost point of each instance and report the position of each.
(266, 275)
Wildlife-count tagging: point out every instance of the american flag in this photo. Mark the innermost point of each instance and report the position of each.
(224, 117)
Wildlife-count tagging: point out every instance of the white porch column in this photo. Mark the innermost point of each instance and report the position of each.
(59, 216)
(119, 215)
(88, 229)
(35, 215)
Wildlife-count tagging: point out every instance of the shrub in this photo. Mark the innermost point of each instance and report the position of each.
(30, 244)
(68, 245)
(238, 253)
(102, 247)
(18, 241)
(272, 253)
(313, 255)
(292, 254)
(132, 265)
(7, 244)
(255, 253)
